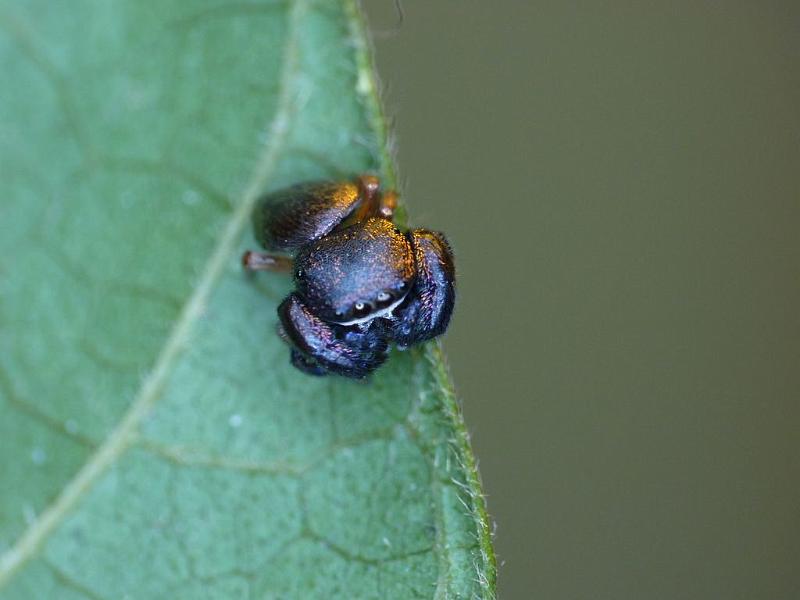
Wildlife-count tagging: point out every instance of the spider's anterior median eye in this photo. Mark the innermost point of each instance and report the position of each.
(383, 299)
(361, 309)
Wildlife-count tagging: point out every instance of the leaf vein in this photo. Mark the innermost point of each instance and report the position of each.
(120, 438)
(70, 582)
(37, 414)
(24, 39)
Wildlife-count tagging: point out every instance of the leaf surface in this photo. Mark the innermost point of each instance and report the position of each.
(155, 442)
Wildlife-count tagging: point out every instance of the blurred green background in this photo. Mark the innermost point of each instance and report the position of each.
(621, 182)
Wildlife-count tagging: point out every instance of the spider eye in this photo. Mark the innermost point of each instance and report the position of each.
(384, 299)
(361, 309)
(402, 286)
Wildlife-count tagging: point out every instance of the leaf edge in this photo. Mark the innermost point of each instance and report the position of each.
(433, 351)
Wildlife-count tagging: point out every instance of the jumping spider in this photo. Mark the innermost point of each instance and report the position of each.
(360, 281)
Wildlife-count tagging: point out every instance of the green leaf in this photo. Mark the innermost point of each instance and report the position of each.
(155, 441)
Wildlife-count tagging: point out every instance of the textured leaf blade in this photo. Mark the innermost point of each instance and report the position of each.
(155, 441)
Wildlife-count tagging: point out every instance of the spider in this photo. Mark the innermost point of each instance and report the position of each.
(360, 281)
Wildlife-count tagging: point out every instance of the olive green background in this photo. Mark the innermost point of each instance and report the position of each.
(621, 183)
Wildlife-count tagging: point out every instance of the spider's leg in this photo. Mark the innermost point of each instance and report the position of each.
(377, 205)
(427, 309)
(260, 261)
(388, 203)
(306, 364)
(348, 351)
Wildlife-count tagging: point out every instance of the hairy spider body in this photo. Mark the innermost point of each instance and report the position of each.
(360, 281)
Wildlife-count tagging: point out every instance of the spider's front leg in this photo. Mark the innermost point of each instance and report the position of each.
(427, 310)
(319, 346)
(306, 364)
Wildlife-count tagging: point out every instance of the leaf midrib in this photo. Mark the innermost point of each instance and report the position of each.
(120, 439)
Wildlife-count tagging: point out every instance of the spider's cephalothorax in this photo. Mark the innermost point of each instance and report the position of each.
(360, 282)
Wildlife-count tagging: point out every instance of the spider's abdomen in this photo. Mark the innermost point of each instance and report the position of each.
(285, 220)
